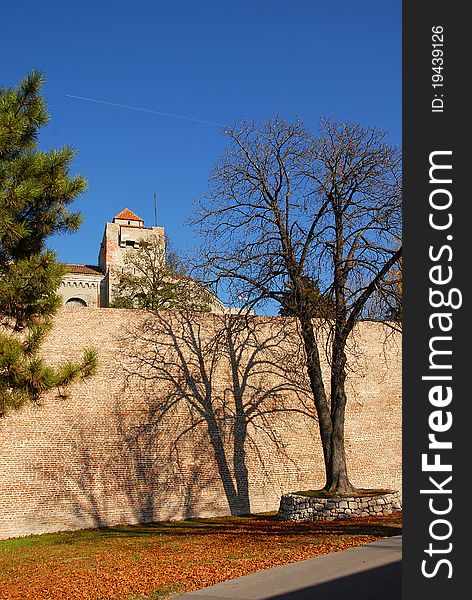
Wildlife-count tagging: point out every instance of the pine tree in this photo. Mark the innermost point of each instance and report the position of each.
(35, 192)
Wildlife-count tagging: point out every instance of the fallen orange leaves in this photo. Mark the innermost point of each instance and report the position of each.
(149, 561)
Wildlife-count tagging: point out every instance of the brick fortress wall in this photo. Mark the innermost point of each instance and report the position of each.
(110, 454)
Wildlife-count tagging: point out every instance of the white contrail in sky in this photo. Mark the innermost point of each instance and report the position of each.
(148, 110)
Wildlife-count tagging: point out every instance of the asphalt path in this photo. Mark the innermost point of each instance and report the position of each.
(370, 572)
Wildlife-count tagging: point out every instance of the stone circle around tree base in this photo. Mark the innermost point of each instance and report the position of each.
(297, 507)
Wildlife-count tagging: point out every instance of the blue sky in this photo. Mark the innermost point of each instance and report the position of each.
(210, 60)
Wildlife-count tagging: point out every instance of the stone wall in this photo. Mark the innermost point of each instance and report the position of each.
(129, 446)
(299, 507)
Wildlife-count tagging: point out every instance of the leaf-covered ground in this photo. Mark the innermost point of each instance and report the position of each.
(152, 561)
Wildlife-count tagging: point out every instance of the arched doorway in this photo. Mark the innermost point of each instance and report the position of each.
(74, 302)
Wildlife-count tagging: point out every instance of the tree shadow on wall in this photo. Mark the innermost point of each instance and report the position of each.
(98, 477)
(80, 482)
(226, 376)
(157, 484)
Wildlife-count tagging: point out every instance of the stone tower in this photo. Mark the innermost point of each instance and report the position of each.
(122, 236)
(93, 285)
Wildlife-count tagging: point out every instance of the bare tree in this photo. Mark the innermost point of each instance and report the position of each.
(287, 213)
(154, 278)
(386, 304)
(230, 376)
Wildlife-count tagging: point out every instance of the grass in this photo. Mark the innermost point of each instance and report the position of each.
(153, 561)
(161, 593)
(358, 493)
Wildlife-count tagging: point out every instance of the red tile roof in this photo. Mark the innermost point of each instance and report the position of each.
(83, 269)
(128, 215)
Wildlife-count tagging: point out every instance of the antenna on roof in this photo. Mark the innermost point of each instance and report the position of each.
(155, 210)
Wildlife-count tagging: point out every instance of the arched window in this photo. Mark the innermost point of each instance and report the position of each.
(76, 302)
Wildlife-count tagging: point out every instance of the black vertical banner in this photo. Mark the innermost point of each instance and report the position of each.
(437, 457)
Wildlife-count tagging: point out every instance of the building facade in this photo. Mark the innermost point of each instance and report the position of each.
(93, 285)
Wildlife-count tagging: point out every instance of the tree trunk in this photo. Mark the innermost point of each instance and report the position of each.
(331, 423)
(313, 365)
(337, 479)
